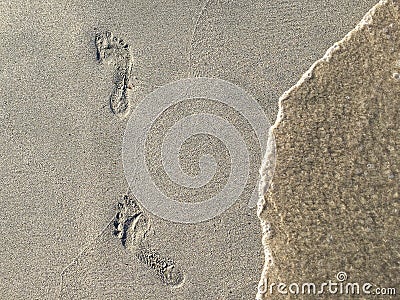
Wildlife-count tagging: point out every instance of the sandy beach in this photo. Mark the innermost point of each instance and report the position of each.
(75, 76)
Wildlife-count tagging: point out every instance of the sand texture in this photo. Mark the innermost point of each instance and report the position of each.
(334, 202)
(73, 73)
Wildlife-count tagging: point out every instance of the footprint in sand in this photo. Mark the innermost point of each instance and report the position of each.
(131, 227)
(114, 51)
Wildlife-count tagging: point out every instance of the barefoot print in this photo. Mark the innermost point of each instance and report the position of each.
(131, 227)
(114, 51)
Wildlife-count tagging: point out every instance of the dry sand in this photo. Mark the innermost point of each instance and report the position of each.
(334, 201)
(62, 175)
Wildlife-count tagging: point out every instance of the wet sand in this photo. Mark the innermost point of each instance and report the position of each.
(332, 210)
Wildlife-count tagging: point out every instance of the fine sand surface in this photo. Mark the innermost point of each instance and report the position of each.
(67, 90)
(332, 211)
